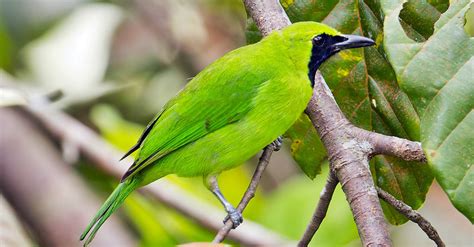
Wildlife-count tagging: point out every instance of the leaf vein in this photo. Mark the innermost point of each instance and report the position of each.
(462, 180)
(438, 91)
(451, 132)
(423, 46)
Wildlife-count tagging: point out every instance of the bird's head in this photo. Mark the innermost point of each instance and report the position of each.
(313, 43)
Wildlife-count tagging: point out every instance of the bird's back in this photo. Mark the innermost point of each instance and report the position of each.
(227, 113)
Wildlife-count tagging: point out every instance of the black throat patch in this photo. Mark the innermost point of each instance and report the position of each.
(318, 56)
(322, 49)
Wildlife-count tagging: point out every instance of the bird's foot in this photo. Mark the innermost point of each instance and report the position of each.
(234, 216)
(277, 143)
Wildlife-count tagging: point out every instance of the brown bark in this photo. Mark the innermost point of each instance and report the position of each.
(12, 232)
(348, 156)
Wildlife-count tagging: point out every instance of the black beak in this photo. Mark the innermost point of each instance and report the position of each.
(353, 41)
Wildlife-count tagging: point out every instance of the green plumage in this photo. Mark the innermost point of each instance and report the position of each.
(226, 114)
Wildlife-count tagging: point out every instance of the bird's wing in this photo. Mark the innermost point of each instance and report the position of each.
(215, 98)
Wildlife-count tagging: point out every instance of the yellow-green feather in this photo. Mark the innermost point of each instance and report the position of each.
(114, 201)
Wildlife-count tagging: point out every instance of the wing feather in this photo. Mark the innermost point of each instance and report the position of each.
(216, 97)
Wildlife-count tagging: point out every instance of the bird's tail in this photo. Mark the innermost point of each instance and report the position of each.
(110, 205)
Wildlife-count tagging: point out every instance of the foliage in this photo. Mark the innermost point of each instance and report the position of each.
(305, 140)
(443, 94)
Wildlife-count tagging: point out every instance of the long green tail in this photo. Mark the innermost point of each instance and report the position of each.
(111, 204)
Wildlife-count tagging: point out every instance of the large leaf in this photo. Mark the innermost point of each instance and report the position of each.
(357, 79)
(393, 114)
(305, 140)
(418, 17)
(438, 77)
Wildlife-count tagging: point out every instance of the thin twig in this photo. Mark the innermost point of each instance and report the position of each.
(250, 193)
(412, 215)
(321, 209)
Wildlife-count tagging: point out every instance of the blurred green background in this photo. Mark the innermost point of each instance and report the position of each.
(117, 62)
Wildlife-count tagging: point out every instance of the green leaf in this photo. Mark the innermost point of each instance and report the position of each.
(305, 140)
(252, 34)
(438, 77)
(7, 48)
(143, 215)
(407, 181)
(469, 24)
(417, 18)
(121, 133)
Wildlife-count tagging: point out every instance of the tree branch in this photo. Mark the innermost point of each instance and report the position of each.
(13, 231)
(249, 193)
(321, 209)
(267, 14)
(348, 157)
(412, 215)
(394, 146)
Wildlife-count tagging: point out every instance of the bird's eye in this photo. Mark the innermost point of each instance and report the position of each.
(318, 40)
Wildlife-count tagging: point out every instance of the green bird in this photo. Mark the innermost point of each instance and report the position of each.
(230, 111)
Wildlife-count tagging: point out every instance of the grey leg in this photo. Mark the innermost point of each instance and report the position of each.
(213, 186)
(277, 143)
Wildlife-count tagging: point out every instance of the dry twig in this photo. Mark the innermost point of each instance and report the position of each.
(412, 215)
(321, 209)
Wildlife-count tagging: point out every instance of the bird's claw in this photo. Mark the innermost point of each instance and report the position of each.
(235, 217)
(277, 143)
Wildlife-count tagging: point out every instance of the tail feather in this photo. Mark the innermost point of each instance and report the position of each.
(110, 205)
